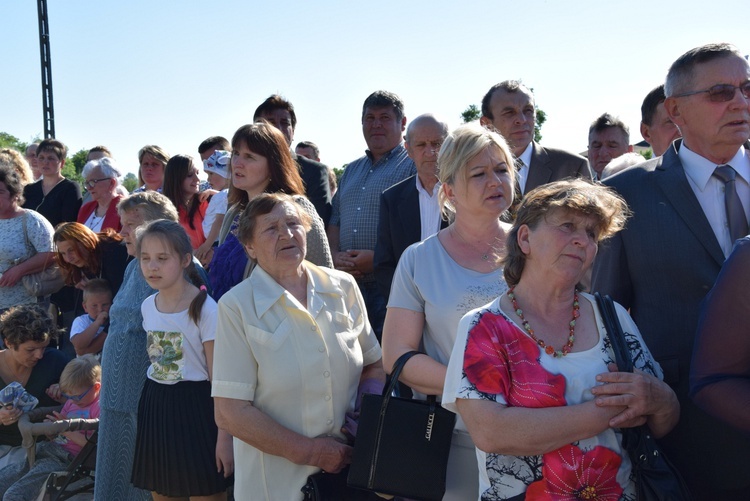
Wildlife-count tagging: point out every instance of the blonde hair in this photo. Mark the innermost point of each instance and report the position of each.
(81, 372)
(462, 145)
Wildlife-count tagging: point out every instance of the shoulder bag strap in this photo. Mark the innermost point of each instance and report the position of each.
(614, 332)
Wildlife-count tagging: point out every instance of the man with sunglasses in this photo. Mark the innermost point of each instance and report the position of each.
(689, 206)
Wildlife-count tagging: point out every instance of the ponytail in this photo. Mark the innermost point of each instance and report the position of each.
(194, 311)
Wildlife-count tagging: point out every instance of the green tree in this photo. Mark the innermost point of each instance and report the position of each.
(130, 181)
(10, 141)
(339, 172)
(541, 117)
(647, 154)
(471, 113)
(79, 160)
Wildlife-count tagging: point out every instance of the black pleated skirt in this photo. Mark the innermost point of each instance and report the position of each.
(175, 448)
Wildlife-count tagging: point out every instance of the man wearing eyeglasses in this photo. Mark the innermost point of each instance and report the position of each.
(689, 206)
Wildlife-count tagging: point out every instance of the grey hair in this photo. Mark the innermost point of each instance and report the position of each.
(680, 74)
(107, 165)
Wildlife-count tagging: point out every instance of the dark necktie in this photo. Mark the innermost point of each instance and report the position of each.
(735, 212)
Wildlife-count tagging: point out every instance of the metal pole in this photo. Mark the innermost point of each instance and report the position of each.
(46, 59)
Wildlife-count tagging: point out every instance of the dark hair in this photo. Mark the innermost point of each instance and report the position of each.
(173, 235)
(99, 149)
(12, 180)
(54, 146)
(383, 99)
(96, 286)
(311, 145)
(28, 322)
(273, 103)
(573, 195)
(85, 240)
(680, 74)
(261, 205)
(652, 100)
(607, 121)
(264, 139)
(219, 141)
(177, 170)
(509, 86)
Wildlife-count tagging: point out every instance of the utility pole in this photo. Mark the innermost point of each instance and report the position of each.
(46, 58)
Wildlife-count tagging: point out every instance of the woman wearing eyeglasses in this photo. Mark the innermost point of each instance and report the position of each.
(56, 198)
(101, 182)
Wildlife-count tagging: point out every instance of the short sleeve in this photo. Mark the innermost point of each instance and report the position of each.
(39, 231)
(235, 367)
(404, 291)
(219, 202)
(209, 317)
(371, 351)
(78, 326)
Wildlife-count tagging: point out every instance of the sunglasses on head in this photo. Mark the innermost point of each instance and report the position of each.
(77, 398)
(721, 93)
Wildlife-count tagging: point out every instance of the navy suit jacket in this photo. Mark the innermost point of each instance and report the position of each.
(550, 164)
(660, 267)
(399, 226)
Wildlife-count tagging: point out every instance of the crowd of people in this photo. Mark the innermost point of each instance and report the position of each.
(224, 333)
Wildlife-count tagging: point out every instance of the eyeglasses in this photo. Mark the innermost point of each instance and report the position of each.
(92, 182)
(77, 398)
(721, 93)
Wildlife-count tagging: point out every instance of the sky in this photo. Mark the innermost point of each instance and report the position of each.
(127, 74)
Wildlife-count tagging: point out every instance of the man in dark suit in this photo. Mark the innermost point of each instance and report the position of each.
(509, 108)
(666, 260)
(410, 209)
(280, 113)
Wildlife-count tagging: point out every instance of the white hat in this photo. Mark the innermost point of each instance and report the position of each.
(218, 163)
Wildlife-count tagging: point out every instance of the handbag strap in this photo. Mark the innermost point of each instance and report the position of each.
(614, 332)
(392, 379)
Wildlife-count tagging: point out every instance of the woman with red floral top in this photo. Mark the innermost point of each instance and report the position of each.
(532, 374)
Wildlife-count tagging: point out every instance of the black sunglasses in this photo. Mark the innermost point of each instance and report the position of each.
(721, 93)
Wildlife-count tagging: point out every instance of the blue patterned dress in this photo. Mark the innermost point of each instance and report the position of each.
(124, 364)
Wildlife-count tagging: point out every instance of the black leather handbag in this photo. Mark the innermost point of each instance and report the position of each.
(402, 445)
(656, 478)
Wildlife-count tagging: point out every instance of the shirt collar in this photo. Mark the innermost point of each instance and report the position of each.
(699, 169)
(421, 189)
(267, 292)
(526, 155)
(386, 156)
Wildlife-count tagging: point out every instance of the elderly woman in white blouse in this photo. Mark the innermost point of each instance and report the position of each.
(293, 345)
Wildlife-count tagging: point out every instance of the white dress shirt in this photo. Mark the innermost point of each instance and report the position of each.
(429, 209)
(709, 190)
(523, 173)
